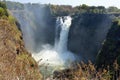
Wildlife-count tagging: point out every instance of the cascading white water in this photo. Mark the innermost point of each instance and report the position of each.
(57, 55)
(62, 45)
(59, 23)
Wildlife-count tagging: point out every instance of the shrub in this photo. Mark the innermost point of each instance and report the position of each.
(11, 19)
(2, 12)
(3, 5)
(89, 71)
(4, 8)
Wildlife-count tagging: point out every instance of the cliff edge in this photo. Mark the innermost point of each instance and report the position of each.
(15, 62)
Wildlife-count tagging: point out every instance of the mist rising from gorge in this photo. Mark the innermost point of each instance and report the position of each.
(35, 22)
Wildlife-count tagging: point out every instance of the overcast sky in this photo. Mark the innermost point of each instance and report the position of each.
(105, 3)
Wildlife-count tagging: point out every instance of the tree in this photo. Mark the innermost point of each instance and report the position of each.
(101, 9)
(3, 5)
(113, 9)
(84, 6)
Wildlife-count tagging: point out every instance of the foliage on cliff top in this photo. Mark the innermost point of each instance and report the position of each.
(62, 10)
(3, 9)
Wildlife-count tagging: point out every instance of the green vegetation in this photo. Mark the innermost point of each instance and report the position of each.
(113, 9)
(11, 19)
(3, 5)
(4, 13)
(66, 9)
(90, 9)
(62, 10)
(3, 9)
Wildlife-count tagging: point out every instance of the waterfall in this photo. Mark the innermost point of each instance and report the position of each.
(34, 27)
(57, 55)
(62, 44)
(59, 23)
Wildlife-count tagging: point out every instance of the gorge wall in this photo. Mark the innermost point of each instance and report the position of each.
(15, 61)
(87, 32)
(110, 50)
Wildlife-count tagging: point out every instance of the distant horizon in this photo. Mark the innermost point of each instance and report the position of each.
(105, 3)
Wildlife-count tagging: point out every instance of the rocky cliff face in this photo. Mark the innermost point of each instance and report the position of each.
(87, 33)
(15, 62)
(111, 46)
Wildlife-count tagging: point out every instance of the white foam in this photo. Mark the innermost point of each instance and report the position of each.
(57, 55)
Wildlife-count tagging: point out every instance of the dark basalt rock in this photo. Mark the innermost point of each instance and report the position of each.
(110, 50)
(86, 34)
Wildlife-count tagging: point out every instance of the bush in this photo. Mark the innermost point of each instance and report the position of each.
(3, 5)
(11, 19)
(3, 9)
(89, 71)
(4, 17)
(2, 12)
